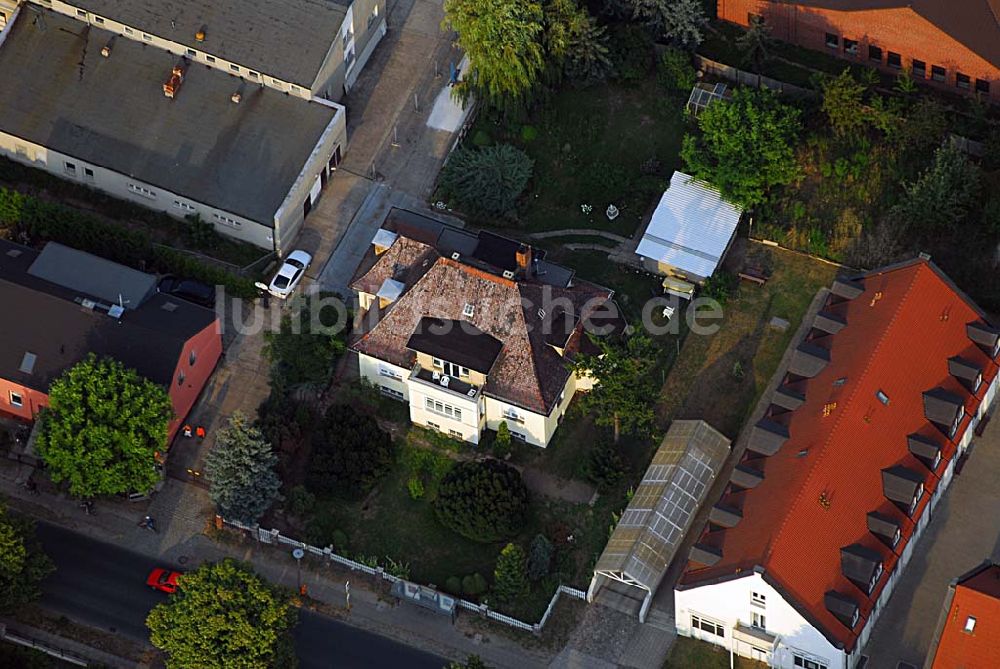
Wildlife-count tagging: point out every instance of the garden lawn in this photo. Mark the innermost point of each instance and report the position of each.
(589, 147)
(719, 377)
(691, 653)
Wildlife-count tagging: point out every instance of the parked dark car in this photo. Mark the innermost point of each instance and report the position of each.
(188, 289)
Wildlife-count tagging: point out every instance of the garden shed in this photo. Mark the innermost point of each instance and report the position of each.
(690, 231)
(660, 514)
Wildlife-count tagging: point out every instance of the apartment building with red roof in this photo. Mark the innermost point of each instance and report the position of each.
(953, 45)
(841, 474)
(968, 632)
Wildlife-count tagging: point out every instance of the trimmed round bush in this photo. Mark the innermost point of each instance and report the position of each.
(485, 500)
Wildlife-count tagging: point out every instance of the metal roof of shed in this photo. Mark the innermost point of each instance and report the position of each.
(93, 276)
(663, 507)
(691, 227)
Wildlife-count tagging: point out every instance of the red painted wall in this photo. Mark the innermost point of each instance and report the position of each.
(900, 30)
(32, 400)
(207, 349)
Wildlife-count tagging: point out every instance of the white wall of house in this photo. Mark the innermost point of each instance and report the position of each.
(389, 379)
(734, 601)
(124, 187)
(440, 409)
(534, 428)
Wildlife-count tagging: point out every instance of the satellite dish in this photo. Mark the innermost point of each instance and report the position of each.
(298, 553)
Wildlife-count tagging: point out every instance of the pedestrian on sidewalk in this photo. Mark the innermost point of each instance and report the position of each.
(148, 523)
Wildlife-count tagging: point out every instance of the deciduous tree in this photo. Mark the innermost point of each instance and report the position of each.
(623, 392)
(843, 103)
(103, 429)
(483, 500)
(305, 349)
(503, 40)
(575, 45)
(241, 470)
(746, 145)
(224, 615)
(23, 565)
(755, 42)
(942, 195)
(350, 454)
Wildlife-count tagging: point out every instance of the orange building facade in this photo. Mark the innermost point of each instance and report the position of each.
(957, 51)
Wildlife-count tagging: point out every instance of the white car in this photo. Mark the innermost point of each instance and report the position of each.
(289, 275)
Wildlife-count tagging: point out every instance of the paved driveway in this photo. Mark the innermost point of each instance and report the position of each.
(964, 531)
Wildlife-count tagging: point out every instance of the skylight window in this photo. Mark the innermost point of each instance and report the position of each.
(970, 624)
(469, 310)
(882, 397)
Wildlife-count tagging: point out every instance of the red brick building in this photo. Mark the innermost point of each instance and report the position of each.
(61, 306)
(954, 45)
(968, 632)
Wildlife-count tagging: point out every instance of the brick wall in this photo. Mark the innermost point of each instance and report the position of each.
(899, 31)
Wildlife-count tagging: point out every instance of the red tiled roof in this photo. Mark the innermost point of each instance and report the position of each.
(528, 372)
(978, 596)
(825, 479)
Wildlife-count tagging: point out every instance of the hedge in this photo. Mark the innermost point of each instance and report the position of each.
(43, 221)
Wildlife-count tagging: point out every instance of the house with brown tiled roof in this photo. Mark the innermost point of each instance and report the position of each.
(472, 329)
(841, 472)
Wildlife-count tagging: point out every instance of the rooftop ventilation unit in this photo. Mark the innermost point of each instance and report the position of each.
(456, 255)
(507, 274)
(87, 304)
(116, 311)
(472, 392)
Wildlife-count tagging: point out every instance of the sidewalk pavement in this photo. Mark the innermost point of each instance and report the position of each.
(183, 513)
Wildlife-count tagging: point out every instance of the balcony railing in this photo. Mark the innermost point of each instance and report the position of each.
(449, 384)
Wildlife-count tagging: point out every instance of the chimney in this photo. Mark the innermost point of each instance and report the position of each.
(174, 83)
(524, 261)
(200, 35)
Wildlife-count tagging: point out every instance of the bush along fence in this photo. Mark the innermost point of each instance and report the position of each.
(745, 78)
(275, 538)
(33, 220)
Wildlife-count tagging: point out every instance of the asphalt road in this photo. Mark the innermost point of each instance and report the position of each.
(104, 586)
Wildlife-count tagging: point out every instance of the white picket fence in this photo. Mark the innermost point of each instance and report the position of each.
(274, 537)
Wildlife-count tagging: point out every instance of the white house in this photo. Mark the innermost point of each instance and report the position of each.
(690, 230)
(841, 473)
(472, 330)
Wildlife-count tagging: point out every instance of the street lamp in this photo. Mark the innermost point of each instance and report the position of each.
(298, 554)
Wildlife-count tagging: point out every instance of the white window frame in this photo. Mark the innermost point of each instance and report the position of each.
(799, 660)
(757, 599)
(510, 413)
(392, 393)
(970, 625)
(141, 191)
(873, 581)
(146, 37)
(758, 620)
(469, 310)
(16, 399)
(389, 373)
(225, 220)
(127, 31)
(699, 621)
(917, 496)
(443, 409)
(69, 168)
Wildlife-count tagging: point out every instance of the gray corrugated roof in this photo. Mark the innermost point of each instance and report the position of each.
(61, 93)
(93, 276)
(287, 39)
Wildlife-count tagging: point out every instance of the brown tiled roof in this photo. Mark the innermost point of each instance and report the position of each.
(404, 261)
(528, 372)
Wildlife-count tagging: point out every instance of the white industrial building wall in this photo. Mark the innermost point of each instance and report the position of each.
(118, 185)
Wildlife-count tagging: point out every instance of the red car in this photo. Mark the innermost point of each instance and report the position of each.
(163, 580)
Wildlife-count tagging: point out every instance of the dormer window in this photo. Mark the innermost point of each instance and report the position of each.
(916, 498)
(469, 310)
(876, 575)
(959, 415)
(897, 536)
(977, 383)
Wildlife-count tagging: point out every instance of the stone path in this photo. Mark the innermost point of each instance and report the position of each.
(579, 231)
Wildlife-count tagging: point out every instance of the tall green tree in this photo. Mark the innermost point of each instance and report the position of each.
(575, 45)
(23, 565)
(503, 40)
(942, 195)
(241, 470)
(755, 43)
(103, 429)
(224, 615)
(307, 345)
(623, 392)
(510, 579)
(681, 21)
(745, 146)
(483, 500)
(844, 103)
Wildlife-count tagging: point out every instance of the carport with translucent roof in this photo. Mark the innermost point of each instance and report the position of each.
(660, 514)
